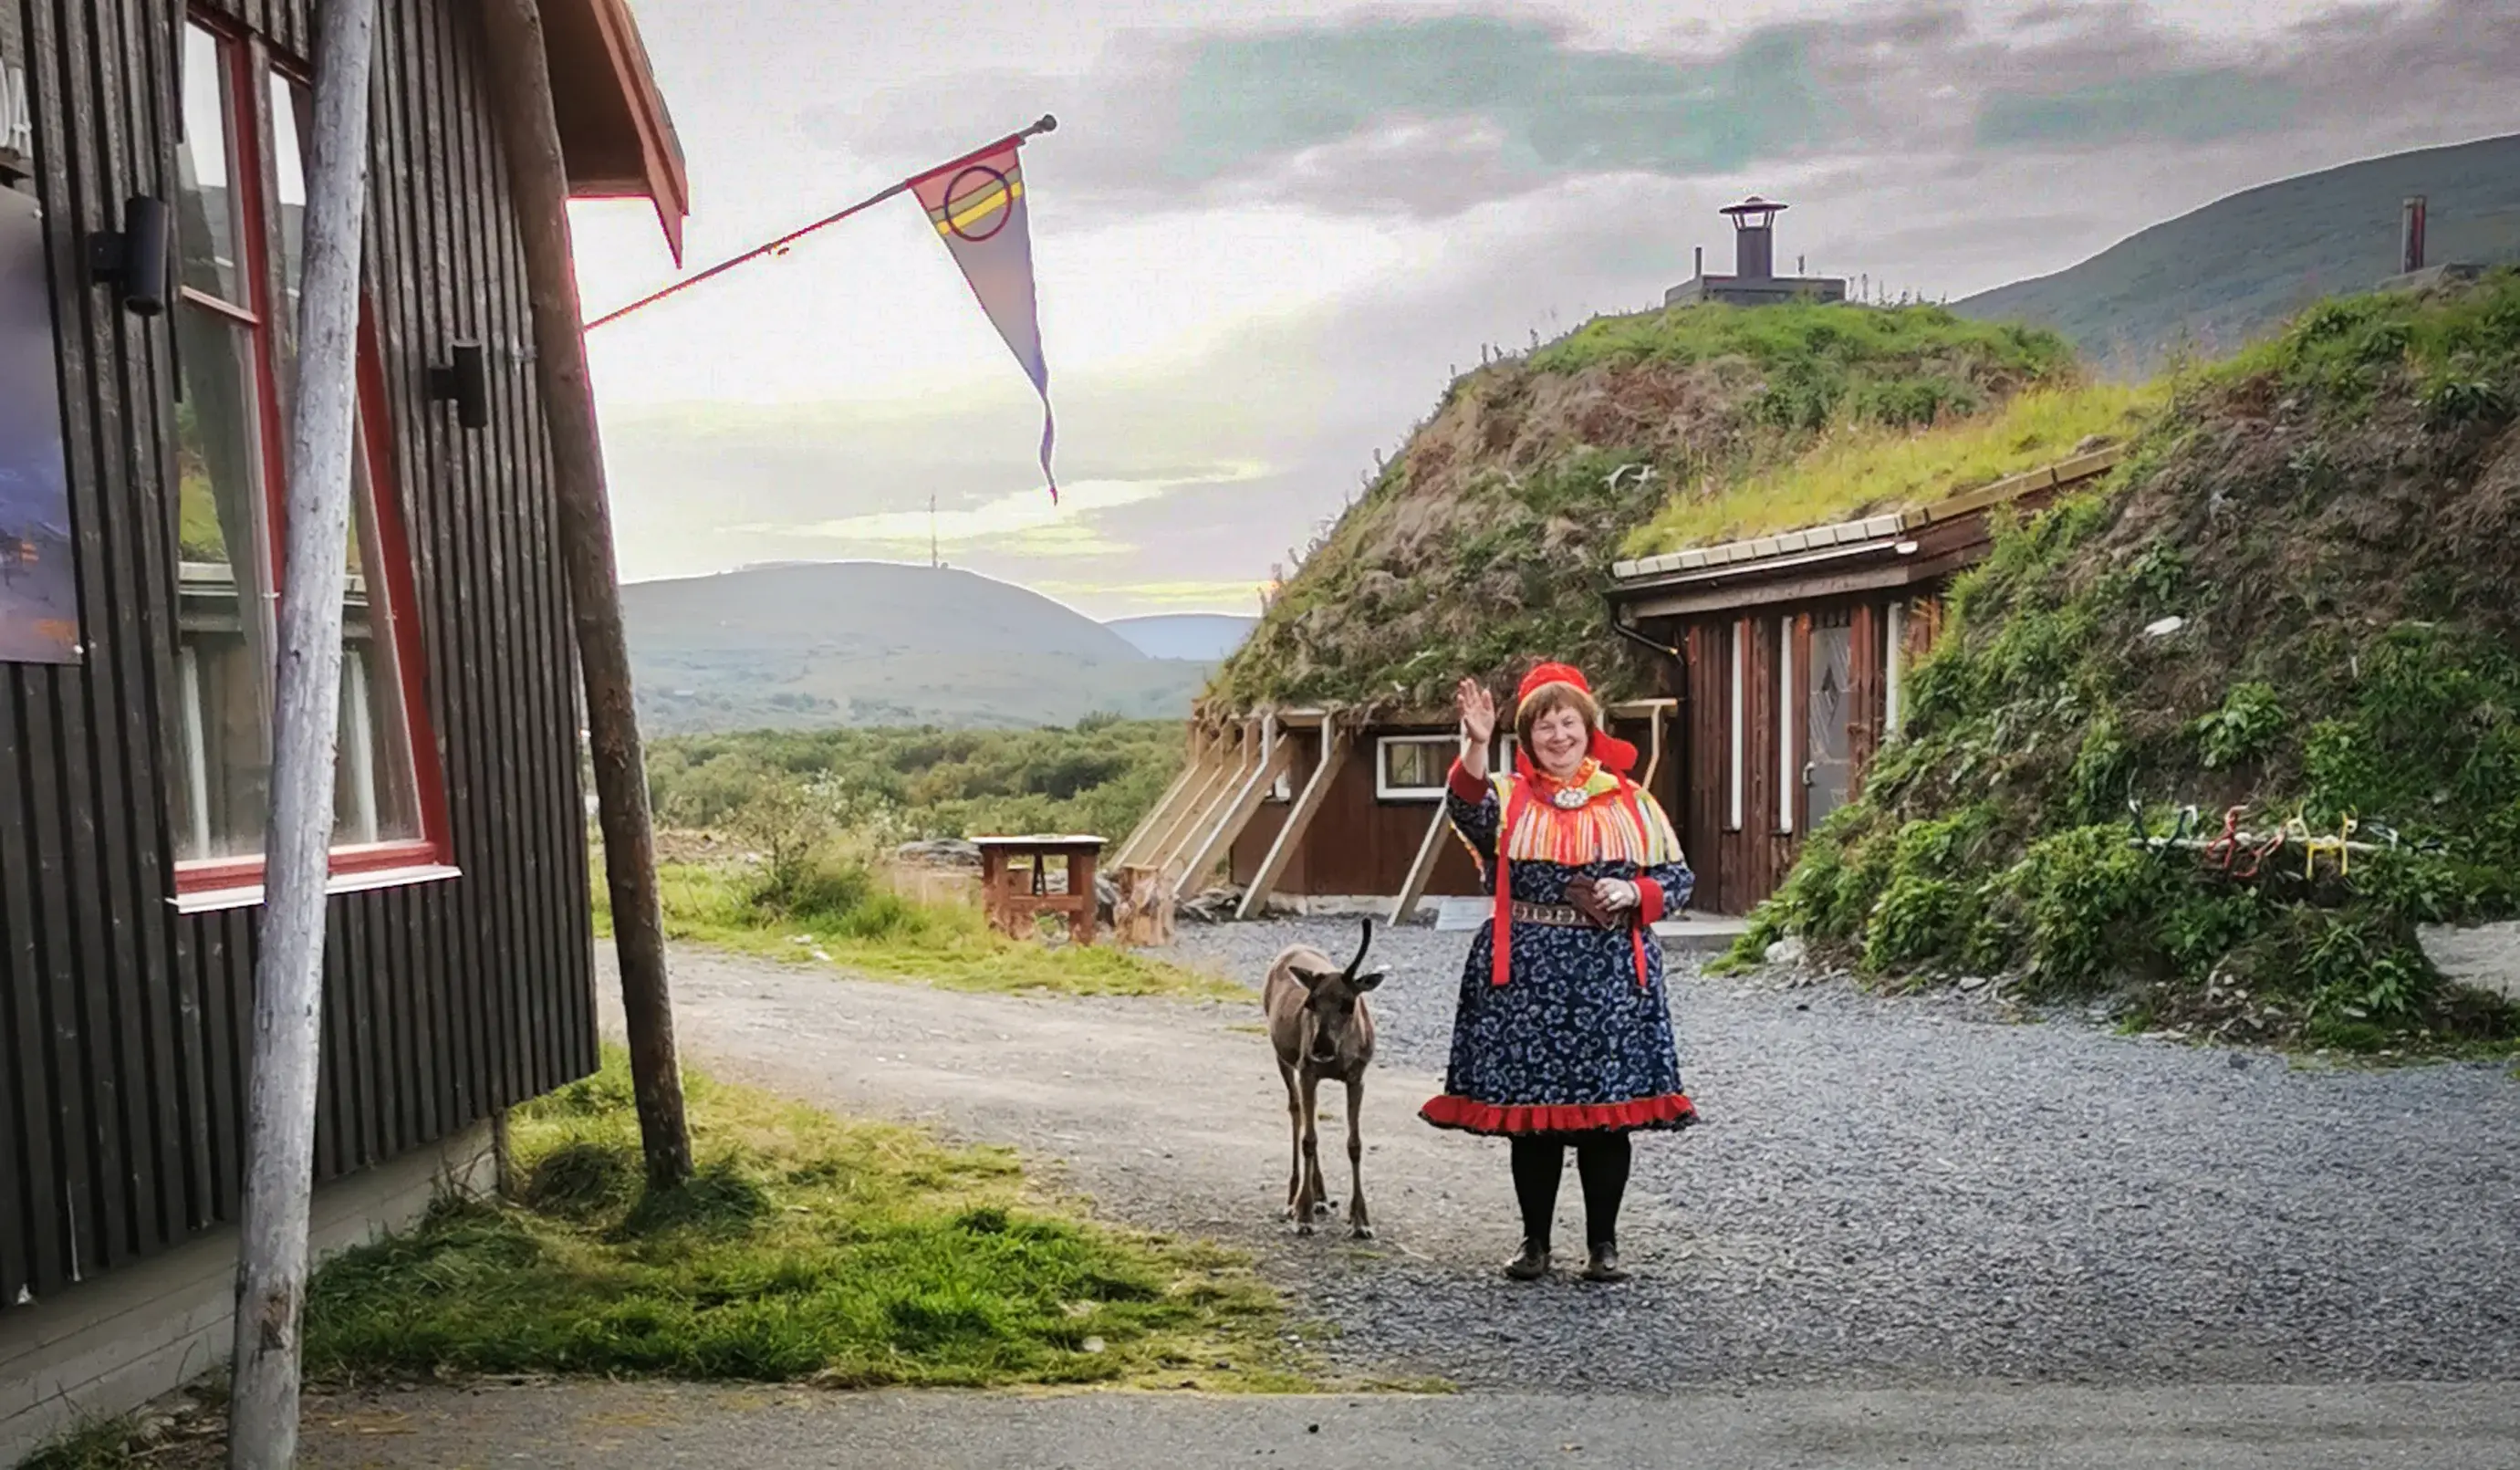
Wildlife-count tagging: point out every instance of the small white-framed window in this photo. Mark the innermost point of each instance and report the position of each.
(1412, 767)
(1894, 668)
(1739, 742)
(1788, 769)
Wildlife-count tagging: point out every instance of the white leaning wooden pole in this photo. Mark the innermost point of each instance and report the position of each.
(288, 980)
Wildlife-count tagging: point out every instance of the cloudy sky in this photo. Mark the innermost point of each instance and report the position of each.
(1268, 232)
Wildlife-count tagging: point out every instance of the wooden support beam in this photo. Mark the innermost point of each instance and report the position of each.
(1421, 872)
(1193, 768)
(1335, 748)
(1235, 813)
(284, 1054)
(528, 129)
(1222, 772)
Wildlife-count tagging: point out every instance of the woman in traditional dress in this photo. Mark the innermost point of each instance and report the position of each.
(1563, 1032)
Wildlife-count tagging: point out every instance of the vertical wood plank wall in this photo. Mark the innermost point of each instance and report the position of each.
(1737, 868)
(121, 1022)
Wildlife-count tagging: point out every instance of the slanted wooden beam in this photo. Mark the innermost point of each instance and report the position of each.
(521, 103)
(1221, 774)
(1193, 766)
(1423, 870)
(1235, 813)
(285, 1051)
(1335, 748)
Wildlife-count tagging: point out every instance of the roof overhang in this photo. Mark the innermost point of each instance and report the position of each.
(1877, 552)
(616, 135)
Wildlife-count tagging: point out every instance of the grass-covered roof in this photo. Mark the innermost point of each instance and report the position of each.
(1488, 542)
(2293, 598)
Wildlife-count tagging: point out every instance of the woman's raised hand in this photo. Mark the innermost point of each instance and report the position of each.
(1478, 711)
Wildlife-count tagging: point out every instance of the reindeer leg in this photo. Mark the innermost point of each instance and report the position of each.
(1309, 1203)
(1358, 1224)
(1294, 1140)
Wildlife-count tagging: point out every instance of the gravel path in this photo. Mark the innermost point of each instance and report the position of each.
(1885, 1194)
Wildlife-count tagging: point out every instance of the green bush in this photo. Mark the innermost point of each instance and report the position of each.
(2324, 521)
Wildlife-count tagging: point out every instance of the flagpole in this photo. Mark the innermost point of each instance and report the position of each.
(1046, 124)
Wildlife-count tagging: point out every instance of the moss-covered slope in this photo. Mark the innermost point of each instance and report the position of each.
(2334, 520)
(1487, 541)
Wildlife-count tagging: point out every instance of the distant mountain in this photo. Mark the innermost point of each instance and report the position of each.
(2230, 272)
(801, 644)
(1208, 636)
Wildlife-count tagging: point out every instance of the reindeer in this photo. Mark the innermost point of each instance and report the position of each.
(1321, 1029)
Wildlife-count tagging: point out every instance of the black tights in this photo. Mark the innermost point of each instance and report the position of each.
(1600, 1161)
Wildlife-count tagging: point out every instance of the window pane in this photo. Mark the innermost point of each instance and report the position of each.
(1413, 764)
(222, 765)
(209, 218)
(375, 795)
(289, 104)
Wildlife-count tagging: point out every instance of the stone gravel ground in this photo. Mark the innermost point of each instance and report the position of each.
(1901, 1191)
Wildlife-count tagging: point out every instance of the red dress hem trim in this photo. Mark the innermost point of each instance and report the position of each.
(1670, 1110)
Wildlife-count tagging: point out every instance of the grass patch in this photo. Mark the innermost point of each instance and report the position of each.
(842, 915)
(2334, 520)
(102, 1444)
(1866, 470)
(807, 1247)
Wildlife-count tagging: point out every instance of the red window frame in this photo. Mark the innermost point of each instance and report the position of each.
(249, 63)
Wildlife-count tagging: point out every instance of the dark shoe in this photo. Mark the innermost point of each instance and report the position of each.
(1531, 1264)
(1605, 1265)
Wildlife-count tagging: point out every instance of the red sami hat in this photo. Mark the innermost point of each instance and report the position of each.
(1547, 674)
(1608, 749)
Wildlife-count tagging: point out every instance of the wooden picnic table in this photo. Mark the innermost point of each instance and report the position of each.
(1015, 888)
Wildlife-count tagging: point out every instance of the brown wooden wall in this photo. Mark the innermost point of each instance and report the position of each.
(1738, 867)
(122, 1025)
(1360, 845)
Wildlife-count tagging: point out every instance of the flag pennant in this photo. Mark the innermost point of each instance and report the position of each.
(977, 205)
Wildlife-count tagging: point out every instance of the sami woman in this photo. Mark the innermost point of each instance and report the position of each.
(1562, 1037)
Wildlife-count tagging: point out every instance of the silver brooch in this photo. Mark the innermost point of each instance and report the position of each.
(1567, 798)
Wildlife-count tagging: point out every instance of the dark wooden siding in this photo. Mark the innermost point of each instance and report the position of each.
(1361, 845)
(122, 1023)
(1736, 869)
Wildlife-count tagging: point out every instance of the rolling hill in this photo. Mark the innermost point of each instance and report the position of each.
(807, 644)
(2235, 271)
(1212, 635)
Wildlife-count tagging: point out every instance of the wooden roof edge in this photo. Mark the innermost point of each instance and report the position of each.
(2066, 471)
(665, 180)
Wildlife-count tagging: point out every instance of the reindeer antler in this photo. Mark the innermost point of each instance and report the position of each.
(1362, 947)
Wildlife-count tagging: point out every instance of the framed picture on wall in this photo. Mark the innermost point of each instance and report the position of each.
(39, 579)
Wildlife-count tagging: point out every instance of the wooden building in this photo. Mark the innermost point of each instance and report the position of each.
(1319, 811)
(135, 729)
(1787, 653)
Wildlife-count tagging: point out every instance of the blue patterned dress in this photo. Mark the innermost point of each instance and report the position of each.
(1573, 1034)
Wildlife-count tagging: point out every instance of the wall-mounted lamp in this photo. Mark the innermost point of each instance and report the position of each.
(466, 382)
(133, 258)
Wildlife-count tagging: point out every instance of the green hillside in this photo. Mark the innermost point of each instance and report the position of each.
(810, 646)
(1488, 542)
(2294, 599)
(2235, 271)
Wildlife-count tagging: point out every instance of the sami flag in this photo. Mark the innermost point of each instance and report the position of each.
(977, 205)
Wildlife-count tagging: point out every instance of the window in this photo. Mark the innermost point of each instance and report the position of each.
(1412, 767)
(1739, 744)
(1894, 667)
(240, 223)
